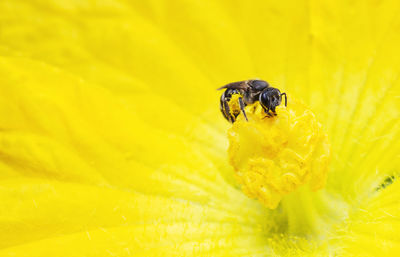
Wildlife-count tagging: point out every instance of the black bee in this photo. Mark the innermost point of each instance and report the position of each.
(250, 91)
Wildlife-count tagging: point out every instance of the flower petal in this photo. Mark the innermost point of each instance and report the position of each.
(373, 229)
(58, 186)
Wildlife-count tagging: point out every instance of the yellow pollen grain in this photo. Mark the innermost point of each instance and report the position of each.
(234, 104)
(274, 156)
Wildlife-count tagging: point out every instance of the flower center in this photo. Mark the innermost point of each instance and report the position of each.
(274, 156)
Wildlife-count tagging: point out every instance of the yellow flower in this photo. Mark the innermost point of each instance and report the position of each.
(112, 144)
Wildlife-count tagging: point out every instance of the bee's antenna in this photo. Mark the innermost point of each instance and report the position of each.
(285, 98)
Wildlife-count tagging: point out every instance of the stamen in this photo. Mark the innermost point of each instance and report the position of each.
(274, 156)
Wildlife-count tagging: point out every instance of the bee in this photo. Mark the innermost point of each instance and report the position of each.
(250, 91)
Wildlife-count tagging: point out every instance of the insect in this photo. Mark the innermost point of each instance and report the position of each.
(250, 91)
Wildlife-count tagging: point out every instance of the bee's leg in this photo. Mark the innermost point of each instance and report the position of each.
(267, 112)
(241, 104)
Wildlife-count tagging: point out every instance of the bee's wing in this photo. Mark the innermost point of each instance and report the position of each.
(236, 85)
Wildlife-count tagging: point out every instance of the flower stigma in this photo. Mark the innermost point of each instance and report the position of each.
(274, 156)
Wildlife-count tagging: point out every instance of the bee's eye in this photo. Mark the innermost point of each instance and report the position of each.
(264, 98)
(259, 84)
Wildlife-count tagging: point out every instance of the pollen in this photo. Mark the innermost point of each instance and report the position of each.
(234, 104)
(274, 156)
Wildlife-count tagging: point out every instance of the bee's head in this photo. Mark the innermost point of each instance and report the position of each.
(270, 98)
